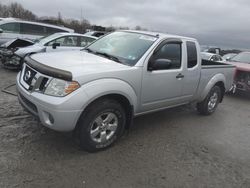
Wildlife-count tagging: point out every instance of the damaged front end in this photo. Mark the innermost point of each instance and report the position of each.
(9, 59)
(7, 53)
(242, 81)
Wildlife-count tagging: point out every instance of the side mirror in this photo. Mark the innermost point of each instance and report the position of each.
(54, 45)
(228, 58)
(160, 64)
(1, 31)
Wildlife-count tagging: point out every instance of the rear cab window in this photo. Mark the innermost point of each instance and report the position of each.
(192, 57)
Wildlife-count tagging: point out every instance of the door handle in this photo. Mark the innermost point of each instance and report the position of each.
(179, 76)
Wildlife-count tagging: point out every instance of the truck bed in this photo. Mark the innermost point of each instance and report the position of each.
(206, 64)
(210, 69)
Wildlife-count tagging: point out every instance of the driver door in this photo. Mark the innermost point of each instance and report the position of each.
(163, 88)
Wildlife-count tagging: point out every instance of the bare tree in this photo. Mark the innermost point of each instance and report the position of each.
(16, 10)
(4, 11)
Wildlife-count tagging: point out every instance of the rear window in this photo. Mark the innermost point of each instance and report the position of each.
(192, 54)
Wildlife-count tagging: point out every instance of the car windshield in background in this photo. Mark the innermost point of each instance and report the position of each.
(125, 47)
(229, 56)
(44, 40)
(242, 57)
(205, 56)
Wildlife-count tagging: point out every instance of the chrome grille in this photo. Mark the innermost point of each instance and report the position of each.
(32, 80)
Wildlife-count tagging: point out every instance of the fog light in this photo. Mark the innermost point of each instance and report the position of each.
(48, 118)
(51, 119)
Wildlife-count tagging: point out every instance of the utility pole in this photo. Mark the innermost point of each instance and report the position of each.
(82, 20)
(81, 14)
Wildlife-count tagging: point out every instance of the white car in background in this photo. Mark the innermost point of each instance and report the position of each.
(11, 28)
(211, 57)
(229, 56)
(52, 43)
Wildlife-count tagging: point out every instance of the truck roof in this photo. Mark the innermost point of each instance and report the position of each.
(160, 35)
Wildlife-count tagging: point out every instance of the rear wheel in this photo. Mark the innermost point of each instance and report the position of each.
(210, 103)
(101, 125)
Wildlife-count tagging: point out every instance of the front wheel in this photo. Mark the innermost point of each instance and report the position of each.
(210, 103)
(101, 125)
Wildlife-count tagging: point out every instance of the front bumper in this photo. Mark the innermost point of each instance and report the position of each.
(57, 113)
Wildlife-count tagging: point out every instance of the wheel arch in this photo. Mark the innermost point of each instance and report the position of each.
(121, 99)
(217, 80)
(104, 89)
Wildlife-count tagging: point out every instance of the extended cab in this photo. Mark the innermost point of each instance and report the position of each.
(97, 92)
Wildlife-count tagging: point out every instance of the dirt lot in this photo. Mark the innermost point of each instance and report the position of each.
(174, 148)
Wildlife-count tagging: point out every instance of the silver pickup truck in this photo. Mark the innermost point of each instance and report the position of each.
(98, 91)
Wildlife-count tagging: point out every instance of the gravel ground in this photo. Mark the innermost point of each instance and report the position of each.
(173, 148)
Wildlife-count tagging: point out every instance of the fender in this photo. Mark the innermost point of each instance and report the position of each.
(215, 79)
(101, 87)
(22, 52)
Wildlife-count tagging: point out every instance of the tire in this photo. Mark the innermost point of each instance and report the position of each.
(102, 123)
(210, 103)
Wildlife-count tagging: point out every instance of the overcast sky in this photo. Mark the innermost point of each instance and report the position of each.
(222, 22)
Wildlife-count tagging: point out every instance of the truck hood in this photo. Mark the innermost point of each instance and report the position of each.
(79, 63)
(22, 52)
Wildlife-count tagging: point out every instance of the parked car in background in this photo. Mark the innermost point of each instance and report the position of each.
(52, 43)
(97, 92)
(242, 74)
(211, 57)
(7, 49)
(229, 56)
(11, 28)
(210, 49)
(96, 33)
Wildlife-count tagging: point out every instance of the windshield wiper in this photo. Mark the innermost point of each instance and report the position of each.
(109, 56)
(89, 50)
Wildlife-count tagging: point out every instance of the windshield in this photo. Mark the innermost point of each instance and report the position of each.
(127, 47)
(242, 57)
(46, 39)
(229, 56)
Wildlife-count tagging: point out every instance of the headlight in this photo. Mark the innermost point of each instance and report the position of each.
(61, 88)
